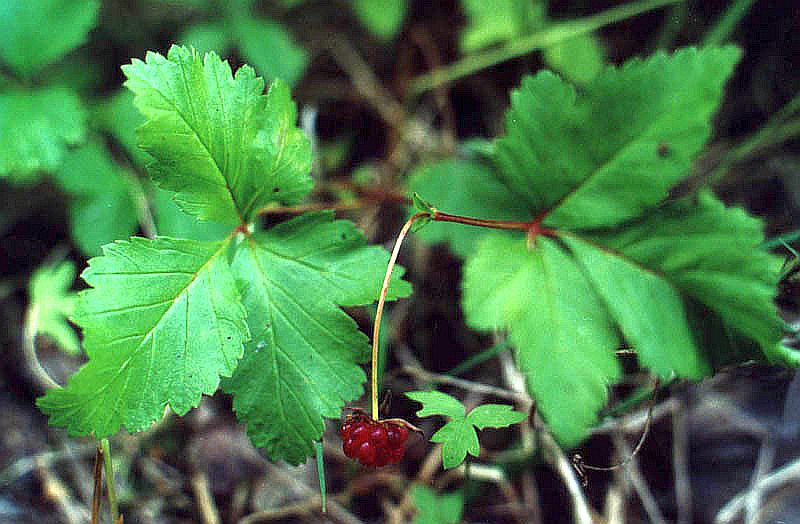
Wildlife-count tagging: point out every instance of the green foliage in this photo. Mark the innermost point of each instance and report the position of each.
(710, 254)
(302, 361)
(479, 193)
(172, 222)
(119, 117)
(684, 281)
(458, 436)
(161, 323)
(382, 18)
(165, 319)
(267, 45)
(222, 146)
(56, 27)
(564, 337)
(270, 48)
(436, 509)
(38, 125)
(53, 303)
(589, 160)
(497, 22)
(578, 59)
(102, 208)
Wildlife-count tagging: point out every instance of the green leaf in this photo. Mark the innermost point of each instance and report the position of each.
(49, 290)
(710, 253)
(382, 18)
(101, 207)
(161, 323)
(565, 339)
(226, 149)
(437, 403)
(498, 21)
(458, 436)
(38, 32)
(172, 222)
(648, 308)
(271, 49)
(436, 509)
(37, 126)
(578, 59)
(119, 117)
(495, 416)
(588, 160)
(479, 194)
(302, 362)
(211, 36)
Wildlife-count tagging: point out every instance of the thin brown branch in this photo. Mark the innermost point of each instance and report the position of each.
(476, 387)
(788, 473)
(680, 464)
(638, 482)
(582, 513)
(209, 514)
(55, 491)
(97, 493)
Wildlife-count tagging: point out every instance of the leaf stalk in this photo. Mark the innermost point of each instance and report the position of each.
(532, 229)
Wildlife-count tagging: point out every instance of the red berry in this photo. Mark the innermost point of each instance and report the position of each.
(373, 443)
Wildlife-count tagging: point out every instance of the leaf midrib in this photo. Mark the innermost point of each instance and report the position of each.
(185, 120)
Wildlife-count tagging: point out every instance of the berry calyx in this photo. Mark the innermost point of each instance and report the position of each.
(374, 443)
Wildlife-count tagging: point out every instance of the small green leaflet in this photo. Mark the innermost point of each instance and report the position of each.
(498, 22)
(101, 208)
(270, 48)
(161, 323)
(684, 282)
(302, 363)
(458, 436)
(57, 27)
(38, 125)
(382, 18)
(579, 59)
(437, 509)
(222, 146)
(53, 303)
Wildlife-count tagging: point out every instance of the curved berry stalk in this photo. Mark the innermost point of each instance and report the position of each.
(374, 442)
(369, 440)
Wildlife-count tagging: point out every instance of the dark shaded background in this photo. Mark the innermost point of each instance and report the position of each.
(726, 428)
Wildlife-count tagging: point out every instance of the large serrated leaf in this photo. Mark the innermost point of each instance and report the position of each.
(603, 156)
(218, 142)
(711, 253)
(162, 322)
(648, 309)
(302, 362)
(565, 339)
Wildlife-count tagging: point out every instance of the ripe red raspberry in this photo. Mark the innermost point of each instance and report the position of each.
(373, 443)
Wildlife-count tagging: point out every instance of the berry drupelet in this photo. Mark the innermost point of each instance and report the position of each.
(372, 442)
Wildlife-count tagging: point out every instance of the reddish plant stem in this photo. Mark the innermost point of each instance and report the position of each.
(532, 228)
(376, 331)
